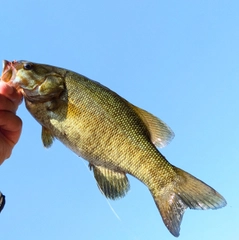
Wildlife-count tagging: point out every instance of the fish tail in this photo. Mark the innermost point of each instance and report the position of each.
(185, 192)
(2, 201)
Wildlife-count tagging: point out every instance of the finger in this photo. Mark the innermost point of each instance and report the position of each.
(7, 105)
(10, 126)
(5, 89)
(11, 93)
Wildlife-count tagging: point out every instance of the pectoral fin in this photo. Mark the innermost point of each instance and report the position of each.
(111, 183)
(46, 137)
(160, 133)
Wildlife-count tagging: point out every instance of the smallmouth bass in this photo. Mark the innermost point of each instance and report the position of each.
(114, 136)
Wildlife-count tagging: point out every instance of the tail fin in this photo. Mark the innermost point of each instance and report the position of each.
(2, 201)
(186, 192)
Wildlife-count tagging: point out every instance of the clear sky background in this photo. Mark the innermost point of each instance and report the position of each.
(176, 59)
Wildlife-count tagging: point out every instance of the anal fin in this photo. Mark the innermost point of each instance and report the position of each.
(111, 183)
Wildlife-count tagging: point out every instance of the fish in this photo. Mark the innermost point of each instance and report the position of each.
(116, 137)
(2, 201)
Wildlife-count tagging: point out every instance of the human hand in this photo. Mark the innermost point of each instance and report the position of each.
(10, 124)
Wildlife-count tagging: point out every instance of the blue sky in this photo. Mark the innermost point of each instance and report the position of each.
(176, 59)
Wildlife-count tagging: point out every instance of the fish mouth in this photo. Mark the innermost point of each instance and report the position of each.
(9, 71)
(6, 65)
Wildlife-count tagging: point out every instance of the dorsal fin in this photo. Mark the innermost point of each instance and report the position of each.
(160, 133)
(111, 183)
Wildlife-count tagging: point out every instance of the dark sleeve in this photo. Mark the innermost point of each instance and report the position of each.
(2, 201)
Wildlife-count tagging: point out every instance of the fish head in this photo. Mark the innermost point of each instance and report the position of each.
(37, 82)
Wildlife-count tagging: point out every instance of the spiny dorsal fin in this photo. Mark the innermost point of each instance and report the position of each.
(111, 183)
(47, 137)
(160, 133)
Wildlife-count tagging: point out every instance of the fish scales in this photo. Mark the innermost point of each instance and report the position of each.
(123, 129)
(114, 136)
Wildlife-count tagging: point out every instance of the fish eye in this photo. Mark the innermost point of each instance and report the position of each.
(27, 66)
